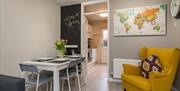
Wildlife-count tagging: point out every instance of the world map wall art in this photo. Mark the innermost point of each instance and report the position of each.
(149, 20)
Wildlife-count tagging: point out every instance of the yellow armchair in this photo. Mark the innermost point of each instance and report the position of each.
(133, 81)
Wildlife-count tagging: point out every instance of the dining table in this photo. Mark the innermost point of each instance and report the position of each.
(54, 65)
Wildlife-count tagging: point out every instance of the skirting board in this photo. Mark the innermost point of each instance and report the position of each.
(115, 80)
(120, 81)
(174, 89)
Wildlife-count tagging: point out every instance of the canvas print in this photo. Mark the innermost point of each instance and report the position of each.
(149, 20)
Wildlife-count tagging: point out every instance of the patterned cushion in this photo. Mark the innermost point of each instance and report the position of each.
(150, 64)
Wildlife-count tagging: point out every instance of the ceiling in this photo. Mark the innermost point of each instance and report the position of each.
(95, 17)
(97, 9)
(100, 8)
(70, 2)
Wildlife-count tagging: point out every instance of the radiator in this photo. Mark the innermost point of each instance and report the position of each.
(118, 68)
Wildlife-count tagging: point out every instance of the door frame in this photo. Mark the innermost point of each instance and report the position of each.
(83, 41)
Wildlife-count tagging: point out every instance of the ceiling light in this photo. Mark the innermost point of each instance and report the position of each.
(103, 14)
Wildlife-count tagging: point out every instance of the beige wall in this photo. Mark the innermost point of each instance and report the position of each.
(97, 37)
(178, 34)
(0, 35)
(29, 30)
(128, 47)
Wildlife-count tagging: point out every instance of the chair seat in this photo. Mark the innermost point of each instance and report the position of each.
(63, 73)
(42, 80)
(137, 81)
(46, 73)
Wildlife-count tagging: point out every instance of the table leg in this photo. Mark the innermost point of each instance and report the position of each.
(56, 80)
(84, 72)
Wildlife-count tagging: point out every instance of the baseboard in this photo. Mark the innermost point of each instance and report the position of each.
(91, 63)
(120, 81)
(114, 80)
(174, 89)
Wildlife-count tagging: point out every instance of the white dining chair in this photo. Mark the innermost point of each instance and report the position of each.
(71, 71)
(33, 77)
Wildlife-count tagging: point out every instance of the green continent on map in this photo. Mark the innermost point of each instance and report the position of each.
(163, 7)
(149, 15)
(157, 28)
(123, 17)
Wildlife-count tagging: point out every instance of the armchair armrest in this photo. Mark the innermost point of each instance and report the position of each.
(158, 81)
(131, 70)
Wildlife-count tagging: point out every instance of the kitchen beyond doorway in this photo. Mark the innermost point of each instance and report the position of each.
(96, 27)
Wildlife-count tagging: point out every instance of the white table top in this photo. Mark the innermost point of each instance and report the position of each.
(48, 63)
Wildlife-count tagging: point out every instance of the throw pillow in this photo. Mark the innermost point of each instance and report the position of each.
(150, 64)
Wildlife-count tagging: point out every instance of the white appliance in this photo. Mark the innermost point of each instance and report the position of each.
(118, 68)
(94, 55)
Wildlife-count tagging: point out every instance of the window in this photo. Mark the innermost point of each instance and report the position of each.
(105, 38)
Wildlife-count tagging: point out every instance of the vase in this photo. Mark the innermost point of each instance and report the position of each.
(60, 54)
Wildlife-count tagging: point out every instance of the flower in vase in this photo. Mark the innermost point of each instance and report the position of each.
(60, 46)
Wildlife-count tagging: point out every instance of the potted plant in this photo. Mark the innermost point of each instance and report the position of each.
(60, 47)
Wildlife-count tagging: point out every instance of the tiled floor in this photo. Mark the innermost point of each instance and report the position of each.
(97, 81)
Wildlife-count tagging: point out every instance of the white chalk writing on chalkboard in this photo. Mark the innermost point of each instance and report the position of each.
(71, 20)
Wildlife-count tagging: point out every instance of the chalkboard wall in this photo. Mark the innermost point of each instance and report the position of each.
(71, 25)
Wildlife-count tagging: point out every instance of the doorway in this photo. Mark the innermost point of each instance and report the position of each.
(104, 48)
(95, 36)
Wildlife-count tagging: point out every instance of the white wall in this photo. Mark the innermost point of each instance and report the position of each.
(30, 28)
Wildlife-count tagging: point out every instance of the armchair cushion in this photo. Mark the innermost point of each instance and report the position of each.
(137, 81)
(154, 75)
(150, 64)
(131, 70)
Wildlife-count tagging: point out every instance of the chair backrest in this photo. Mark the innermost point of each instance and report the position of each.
(81, 60)
(164, 54)
(28, 68)
(143, 53)
(74, 63)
